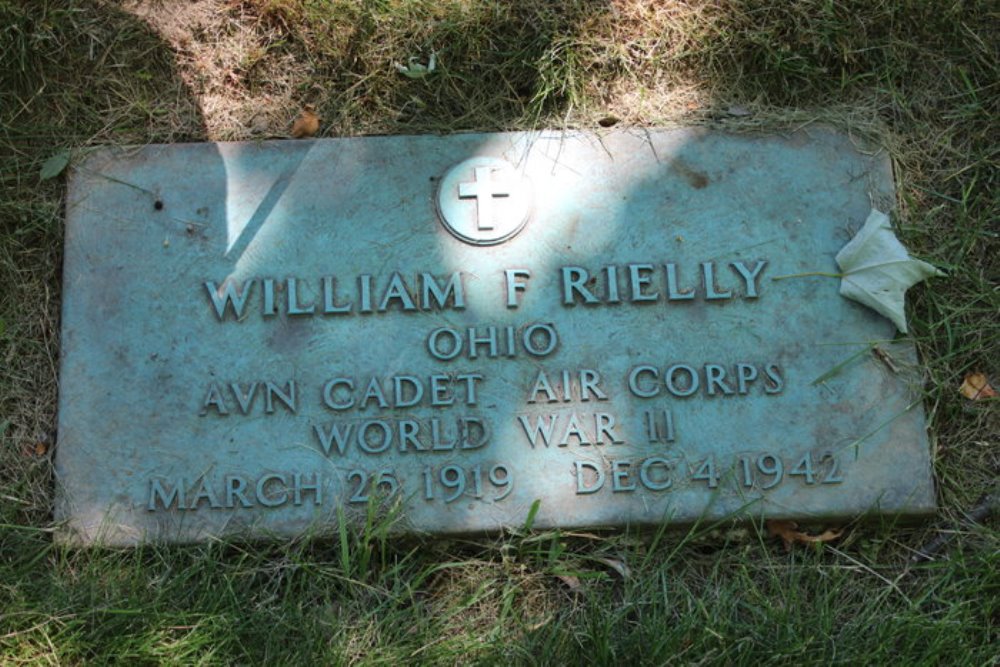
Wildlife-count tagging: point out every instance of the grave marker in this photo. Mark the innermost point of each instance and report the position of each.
(255, 335)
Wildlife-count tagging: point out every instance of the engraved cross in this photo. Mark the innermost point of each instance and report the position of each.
(483, 190)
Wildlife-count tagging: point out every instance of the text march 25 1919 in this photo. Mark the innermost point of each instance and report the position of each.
(264, 339)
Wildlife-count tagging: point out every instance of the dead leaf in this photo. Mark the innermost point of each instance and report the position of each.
(39, 448)
(877, 270)
(307, 124)
(259, 124)
(617, 565)
(572, 582)
(976, 386)
(789, 533)
(55, 165)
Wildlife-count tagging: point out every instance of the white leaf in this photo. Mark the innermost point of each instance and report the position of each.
(877, 270)
(417, 70)
(55, 165)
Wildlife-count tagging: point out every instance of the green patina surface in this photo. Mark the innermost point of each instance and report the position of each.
(266, 337)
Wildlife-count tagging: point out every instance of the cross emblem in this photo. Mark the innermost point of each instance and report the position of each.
(483, 190)
(502, 196)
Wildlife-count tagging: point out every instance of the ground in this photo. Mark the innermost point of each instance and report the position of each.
(919, 79)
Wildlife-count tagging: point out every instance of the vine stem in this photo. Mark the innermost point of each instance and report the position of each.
(807, 274)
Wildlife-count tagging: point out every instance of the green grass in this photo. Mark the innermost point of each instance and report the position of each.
(920, 78)
(690, 600)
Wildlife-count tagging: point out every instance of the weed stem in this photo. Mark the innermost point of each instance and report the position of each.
(808, 273)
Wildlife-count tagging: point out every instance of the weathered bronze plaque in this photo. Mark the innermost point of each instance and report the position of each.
(266, 338)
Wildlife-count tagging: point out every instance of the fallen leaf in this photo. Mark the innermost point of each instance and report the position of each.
(41, 448)
(789, 533)
(259, 124)
(876, 270)
(307, 124)
(975, 386)
(416, 70)
(572, 582)
(617, 565)
(55, 165)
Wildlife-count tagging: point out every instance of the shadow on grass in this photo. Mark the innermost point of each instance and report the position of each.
(72, 74)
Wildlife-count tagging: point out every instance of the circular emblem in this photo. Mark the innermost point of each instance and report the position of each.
(483, 201)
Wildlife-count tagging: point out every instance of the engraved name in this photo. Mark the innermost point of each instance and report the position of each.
(331, 296)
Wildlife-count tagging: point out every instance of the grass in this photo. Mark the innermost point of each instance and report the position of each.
(920, 78)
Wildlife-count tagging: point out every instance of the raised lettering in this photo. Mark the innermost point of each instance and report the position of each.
(673, 292)
(399, 393)
(582, 488)
(159, 494)
(541, 430)
(214, 399)
(619, 473)
(236, 489)
(679, 389)
(588, 385)
(549, 332)
(572, 430)
(715, 377)
(299, 486)
(286, 396)
(514, 285)
(639, 277)
(276, 500)
(646, 474)
(376, 445)
(328, 393)
(330, 306)
(574, 279)
(708, 272)
(775, 383)
(542, 385)
(374, 393)
(436, 348)
(229, 297)
(333, 436)
(396, 290)
(750, 276)
(645, 391)
(294, 307)
(454, 289)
